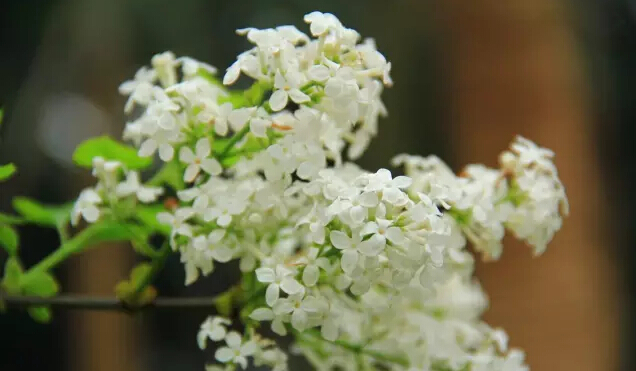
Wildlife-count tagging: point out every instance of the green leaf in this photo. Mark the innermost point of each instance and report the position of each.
(42, 284)
(12, 274)
(10, 219)
(40, 314)
(139, 236)
(6, 171)
(139, 272)
(109, 149)
(111, 231)
(9, 239)
(147, 215)
(223, 303)
(125, 290)
(45, 215)
(171, 174)
(253, 96)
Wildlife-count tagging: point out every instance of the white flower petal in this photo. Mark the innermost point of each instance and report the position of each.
(217, 333)
(299, 320)
(358, 214)
(311, 275)
(395, 235)
(248, 348)
(216, 236)
(291, 286)
(318, 73)
(166, 152)
(368, 199)
(349, 260)
(262, 314)
(272, 294)
(298, 96)
(224, 354)
(329, 331)
(165, 218)
(306, 170)
(211, 166)
(373, 246)
(279, 327)
(148, 147)
(224, 220)
(233, 339)
(340, 240)
(283, 306)
(402, 182)
(186, 155)
(191, 172)
(265, 275)
(369, 228)
(242, 361)
(278, 100)
(258, 127)
(232, 73)
(91, 213)
(222, 254)
(203, 148)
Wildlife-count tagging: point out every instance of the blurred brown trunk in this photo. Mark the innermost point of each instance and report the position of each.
(516, 70)
(102, 341)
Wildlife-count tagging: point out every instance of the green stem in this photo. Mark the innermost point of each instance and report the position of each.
(155, 268)
(235, 139)
(68, 248)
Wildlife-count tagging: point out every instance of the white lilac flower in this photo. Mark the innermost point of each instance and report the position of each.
(86, 207)
(373, 260)
(377, 233)
(177, 222)
(163, 141)
(288, 87)
(278, 319)
(132, 185)
(199, 160)
(107, 171)
(278, 278)
(349, 247)
(165, 65)
(214, 328)
(236, 351)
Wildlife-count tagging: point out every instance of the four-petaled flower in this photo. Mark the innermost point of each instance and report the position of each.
(236, 350)
(279, 278)
(199, 160)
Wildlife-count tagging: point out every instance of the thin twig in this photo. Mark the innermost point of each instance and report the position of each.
(106, 303)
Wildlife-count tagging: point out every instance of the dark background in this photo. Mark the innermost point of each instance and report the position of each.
(467, 78)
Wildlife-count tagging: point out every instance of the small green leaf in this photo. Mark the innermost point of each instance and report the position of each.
(139, 272)
(111, 231)
(147, 215)
(12, 275)
(37, 213)
(42, 284)
(10, 219)
(40, 314)
(125, 290)
(109, 149)
(139, 236)
(6, 171)
(9, 239)
(223, 303)
(171, 174)
(252, 96)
